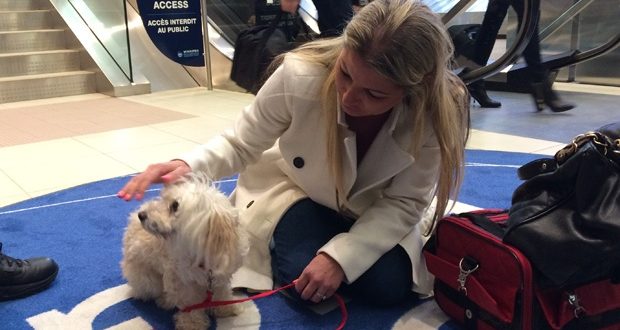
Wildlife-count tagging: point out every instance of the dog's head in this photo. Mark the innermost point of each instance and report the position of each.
(199, 224)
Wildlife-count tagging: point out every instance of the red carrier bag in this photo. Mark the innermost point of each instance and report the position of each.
(483, 283)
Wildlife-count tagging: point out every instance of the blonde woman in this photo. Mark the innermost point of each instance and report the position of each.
(340, 155)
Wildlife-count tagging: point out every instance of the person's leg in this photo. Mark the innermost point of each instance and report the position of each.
(306, 227)
(333, 16)
(387, 282)
(541, 86)
(21, 278)
(485, 40)
(301, 232)
(531, 53)
(491, 23)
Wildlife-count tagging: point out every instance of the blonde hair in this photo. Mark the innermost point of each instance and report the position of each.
(407, 43)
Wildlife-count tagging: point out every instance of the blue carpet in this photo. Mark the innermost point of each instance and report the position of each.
(82, 228)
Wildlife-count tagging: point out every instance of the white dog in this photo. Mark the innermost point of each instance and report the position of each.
(182, 244)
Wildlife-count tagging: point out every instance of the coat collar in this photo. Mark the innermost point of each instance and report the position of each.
(385, 158)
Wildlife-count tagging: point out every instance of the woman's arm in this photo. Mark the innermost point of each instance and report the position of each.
(385, 223)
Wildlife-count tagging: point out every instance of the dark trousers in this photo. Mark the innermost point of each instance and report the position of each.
(333, 16)
(307, 226)
(493, 19)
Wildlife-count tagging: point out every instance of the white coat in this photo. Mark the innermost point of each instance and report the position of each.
(278, 144)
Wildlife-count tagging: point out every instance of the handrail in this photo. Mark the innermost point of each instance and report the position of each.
(571, 12)
(603, 49)
(460, 7)
(527, 27)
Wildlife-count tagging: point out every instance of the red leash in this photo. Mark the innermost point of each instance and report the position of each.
(210, 303)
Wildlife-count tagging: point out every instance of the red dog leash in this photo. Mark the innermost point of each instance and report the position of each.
(210, 303)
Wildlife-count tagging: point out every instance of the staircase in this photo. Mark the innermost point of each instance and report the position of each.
(36, 59)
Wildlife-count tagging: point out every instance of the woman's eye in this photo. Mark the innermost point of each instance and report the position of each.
(375, 95)
(174, 206)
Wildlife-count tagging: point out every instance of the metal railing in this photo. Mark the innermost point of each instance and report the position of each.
(107, 20)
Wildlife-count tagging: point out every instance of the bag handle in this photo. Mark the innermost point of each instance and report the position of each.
(604, 140)
(482, 220)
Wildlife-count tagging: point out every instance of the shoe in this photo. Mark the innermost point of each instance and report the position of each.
(479, 93)
(545, 96)
(21, 278)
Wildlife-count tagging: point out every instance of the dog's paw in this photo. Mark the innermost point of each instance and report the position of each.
(164, 303)
(228, 310)
(194, 320)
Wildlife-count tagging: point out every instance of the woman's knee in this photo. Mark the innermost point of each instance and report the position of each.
(387, 282)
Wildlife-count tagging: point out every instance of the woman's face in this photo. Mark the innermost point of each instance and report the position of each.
(362, 91)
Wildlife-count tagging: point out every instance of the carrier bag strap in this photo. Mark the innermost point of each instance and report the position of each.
(484, 221)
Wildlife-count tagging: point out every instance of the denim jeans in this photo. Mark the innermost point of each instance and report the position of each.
(306, 227)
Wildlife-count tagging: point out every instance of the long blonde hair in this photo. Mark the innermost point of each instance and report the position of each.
(407, 43)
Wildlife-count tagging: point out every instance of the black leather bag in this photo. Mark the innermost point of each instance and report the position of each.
(255, 48)
(464, 39)
(566, 216)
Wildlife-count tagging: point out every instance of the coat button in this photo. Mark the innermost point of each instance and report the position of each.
(298, 162)
(249, 204)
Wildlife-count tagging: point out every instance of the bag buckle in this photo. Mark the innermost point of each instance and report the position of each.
(573, 300)
(466, 267)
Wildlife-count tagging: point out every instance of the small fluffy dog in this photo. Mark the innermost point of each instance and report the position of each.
(182, 244)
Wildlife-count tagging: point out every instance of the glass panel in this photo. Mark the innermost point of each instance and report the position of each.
(107, 20)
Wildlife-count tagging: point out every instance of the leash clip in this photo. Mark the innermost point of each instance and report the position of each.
(465, 272)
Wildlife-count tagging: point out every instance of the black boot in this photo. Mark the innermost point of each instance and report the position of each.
(479, 93)
(544, 95)
(21, 278)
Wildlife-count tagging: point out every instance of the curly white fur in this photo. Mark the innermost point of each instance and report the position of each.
(181, 244)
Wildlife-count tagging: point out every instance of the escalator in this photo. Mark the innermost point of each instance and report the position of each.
(229, 17)
(578, 39)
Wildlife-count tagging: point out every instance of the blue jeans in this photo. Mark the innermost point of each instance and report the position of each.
(307, 226)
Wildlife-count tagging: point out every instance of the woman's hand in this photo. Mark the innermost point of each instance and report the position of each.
(289, 6)
(156, 173)
(320, 279)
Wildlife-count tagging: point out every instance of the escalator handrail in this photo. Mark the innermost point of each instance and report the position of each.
(526, 30)
(459, 7)
(590, 54)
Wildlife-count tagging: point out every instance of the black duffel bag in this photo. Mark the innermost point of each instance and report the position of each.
(255, 48)
(565, 217)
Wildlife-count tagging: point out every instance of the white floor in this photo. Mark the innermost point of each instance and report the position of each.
(32, 169)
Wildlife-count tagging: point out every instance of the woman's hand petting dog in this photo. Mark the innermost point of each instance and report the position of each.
(156, 173)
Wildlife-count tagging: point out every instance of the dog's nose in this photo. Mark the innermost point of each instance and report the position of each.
(142, 216)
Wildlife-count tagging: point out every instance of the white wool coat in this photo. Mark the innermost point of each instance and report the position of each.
(278, 145)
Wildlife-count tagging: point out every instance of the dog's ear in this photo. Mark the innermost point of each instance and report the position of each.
(222, 241)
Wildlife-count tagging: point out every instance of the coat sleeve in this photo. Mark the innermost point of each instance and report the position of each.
(257, 128)
(390, 218)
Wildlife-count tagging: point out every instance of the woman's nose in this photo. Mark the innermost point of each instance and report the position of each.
(350, 96)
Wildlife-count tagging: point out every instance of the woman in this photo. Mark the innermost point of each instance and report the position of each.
(368, 127)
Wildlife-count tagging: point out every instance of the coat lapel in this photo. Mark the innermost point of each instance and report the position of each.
(384, 159)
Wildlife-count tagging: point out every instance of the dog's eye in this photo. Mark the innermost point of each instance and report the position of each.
(174, 206)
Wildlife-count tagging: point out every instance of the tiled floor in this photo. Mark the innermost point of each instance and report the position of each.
(53, 144)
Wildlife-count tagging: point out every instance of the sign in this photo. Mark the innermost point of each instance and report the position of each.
(175, 28)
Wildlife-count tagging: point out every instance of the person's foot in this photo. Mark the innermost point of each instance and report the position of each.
(544, 95)
(478, 92)
(21, 278)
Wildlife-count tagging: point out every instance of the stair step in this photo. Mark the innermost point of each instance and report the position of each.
(31, 87)
(25, 20)
(33, 40)
(6, 5)
(19, 64)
